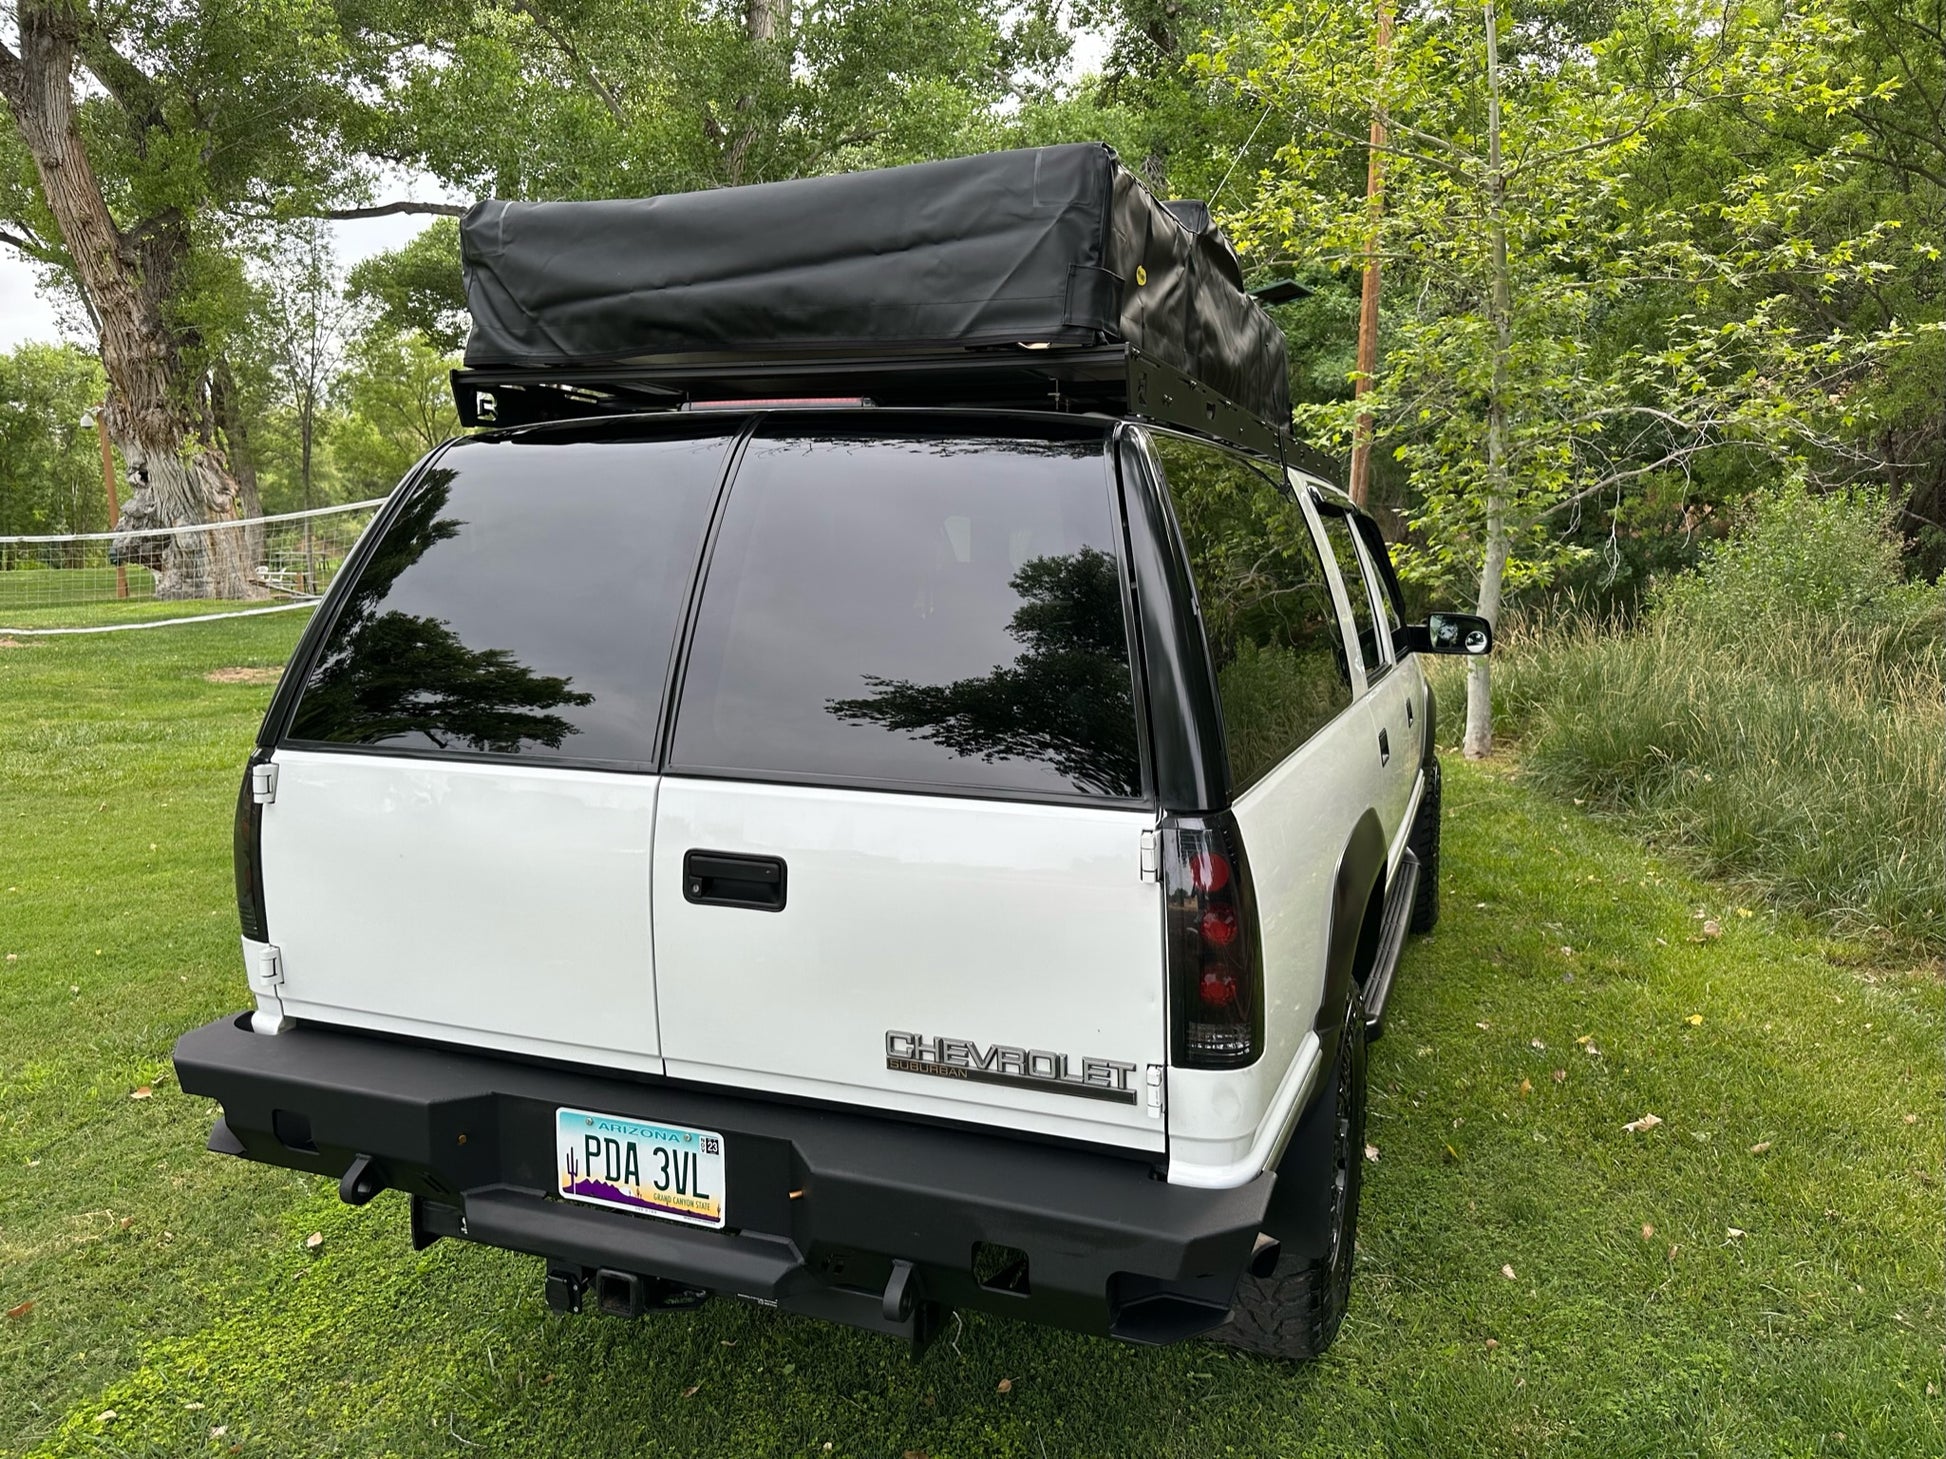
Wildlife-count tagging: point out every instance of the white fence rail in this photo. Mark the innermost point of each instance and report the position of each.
(101, 581)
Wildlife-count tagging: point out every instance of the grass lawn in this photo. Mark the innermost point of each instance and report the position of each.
(1761, 1273)
(34, 587)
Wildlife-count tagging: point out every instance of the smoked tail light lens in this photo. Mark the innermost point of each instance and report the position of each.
(1215, 952)
(246, 846)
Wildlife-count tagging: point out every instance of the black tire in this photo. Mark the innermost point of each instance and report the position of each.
(1425, 846)
(1294, 1313)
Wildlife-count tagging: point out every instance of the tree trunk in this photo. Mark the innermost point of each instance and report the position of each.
(1367, 366)
(1479, 676)
(178, 475)
(766, 23)
(307, 420)
(228, 410)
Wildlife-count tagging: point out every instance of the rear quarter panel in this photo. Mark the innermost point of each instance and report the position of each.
(1224, 1126)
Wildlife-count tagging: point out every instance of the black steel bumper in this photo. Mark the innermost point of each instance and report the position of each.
(848, 1216)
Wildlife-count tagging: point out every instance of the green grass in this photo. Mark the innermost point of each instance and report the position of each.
(1807, 759)
(175, 1288)
(33, 587)
(27, 614)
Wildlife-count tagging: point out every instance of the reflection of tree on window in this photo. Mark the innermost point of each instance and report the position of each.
(1064, 701)
(386, 676)
(1268, 613)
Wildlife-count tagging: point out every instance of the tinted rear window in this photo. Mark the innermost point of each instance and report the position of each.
(943, 612)
(522, 602)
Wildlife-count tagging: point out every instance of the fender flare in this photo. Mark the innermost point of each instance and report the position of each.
(1299, 1213)
(1360, 877)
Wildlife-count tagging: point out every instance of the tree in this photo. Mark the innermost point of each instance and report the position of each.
(395, 398)
(304, 314)
(390, 675)
(617, 98)
(1509, 231)
(50, 467)
(416, 289)
(150, 130)
(1063, 701)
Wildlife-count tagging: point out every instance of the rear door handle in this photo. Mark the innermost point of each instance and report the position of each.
(1384, 748)
(725, 879)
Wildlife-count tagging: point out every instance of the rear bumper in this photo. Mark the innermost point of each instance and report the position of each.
(823, 1208)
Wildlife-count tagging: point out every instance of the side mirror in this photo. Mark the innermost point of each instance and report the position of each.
(1467, 634)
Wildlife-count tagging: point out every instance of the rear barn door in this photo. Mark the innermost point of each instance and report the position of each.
(898, 851)
(459, 845)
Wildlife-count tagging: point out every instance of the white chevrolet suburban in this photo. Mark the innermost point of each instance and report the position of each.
(872, 831)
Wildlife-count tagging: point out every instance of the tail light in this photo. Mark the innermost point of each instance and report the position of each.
(247, 849)
(1215, 951)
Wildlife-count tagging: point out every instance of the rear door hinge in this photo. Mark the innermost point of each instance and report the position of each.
(1153, 1093)
(263, 782)
(1148, 864)
(269, 966)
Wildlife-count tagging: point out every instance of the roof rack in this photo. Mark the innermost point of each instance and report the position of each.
(1114, 379)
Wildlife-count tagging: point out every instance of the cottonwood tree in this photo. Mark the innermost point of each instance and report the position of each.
(395, 399)
(633, 98)
(139, 134)
(1509, 243)
(607, 98)
(305, 318)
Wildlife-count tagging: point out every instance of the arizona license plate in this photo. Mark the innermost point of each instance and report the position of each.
(634, 1165)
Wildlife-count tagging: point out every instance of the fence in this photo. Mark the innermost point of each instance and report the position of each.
(94, 582)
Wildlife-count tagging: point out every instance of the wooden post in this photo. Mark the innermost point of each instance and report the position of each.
(1362, 428)
(108, 482)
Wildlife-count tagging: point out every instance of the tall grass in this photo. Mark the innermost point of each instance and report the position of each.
(1786, 744)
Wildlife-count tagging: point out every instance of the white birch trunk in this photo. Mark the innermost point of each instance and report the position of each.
(1478, 742)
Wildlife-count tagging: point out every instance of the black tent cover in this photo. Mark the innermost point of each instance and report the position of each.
(1054, 246)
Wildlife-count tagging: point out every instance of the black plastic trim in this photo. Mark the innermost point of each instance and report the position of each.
(1185, 723)
(1388, 575)
(1359, 878)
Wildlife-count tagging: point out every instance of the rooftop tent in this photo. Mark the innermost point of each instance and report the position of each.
(1053, 246)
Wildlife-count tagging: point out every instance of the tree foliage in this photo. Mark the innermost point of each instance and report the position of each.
(50, 464)
(1559, 333)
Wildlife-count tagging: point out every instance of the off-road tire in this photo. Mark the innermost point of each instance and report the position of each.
(1425, 846)
(1294, 1313)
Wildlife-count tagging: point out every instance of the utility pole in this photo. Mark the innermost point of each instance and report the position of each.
(1362, 428)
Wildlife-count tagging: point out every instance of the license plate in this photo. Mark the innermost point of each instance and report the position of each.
(635, 1165)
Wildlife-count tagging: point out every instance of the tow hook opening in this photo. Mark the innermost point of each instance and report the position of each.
(1001, 1268)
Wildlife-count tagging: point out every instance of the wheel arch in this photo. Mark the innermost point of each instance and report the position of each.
(1357, 908)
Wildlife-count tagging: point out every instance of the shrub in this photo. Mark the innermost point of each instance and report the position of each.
(1798, 556)
(1779, 712)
